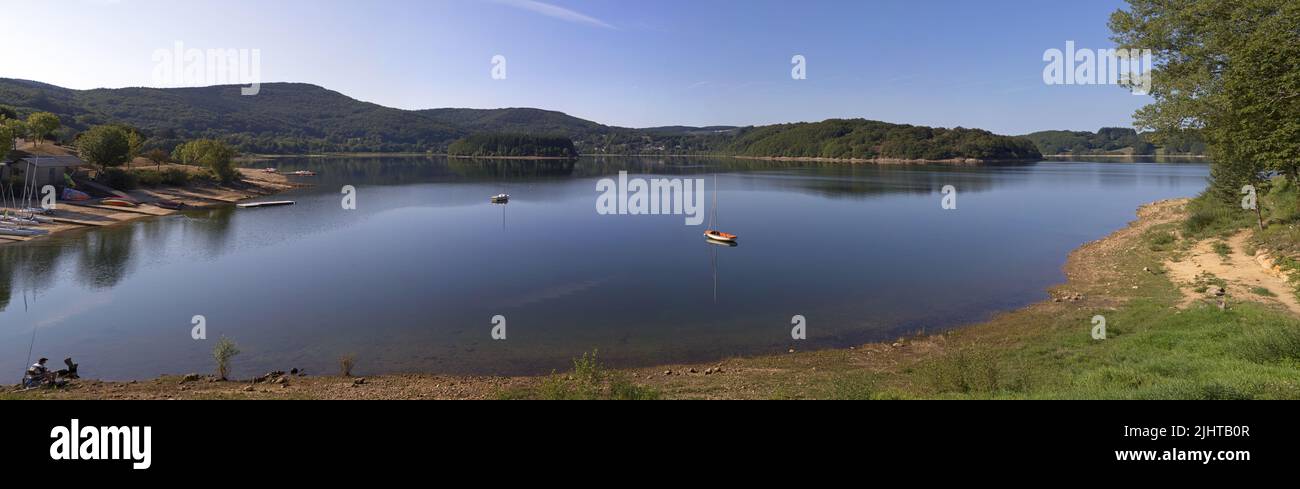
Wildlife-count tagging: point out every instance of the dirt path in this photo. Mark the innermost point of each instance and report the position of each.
(1243, 274)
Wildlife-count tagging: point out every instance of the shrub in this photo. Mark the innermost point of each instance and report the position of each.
(223, 353)
(346, 363)
(118, 179)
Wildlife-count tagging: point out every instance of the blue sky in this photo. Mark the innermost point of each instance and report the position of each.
(621, 62)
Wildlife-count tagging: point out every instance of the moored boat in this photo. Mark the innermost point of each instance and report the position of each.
(713, 234)
(500, 199)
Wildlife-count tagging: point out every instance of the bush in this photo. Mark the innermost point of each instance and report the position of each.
(589, 381)
(149, 178)
(177, 177)
(346, 363)
(223, 353)
(119, 179)
(965, 371)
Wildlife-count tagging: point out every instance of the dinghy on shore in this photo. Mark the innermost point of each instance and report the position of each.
(255, 205)
(119, 202)
(7, 231)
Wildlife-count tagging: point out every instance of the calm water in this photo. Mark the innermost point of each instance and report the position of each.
(411, 279)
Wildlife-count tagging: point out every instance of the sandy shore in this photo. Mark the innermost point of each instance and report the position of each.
(70, 216)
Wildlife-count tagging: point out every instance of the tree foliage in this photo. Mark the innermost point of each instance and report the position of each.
(514, 145)
(106, 146)
(1230, 69)
(1116, 140)
(214, 155)
(41, 124)
(863, 139)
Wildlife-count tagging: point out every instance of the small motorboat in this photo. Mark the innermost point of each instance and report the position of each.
(720, 236)
(271, 170)
(170, 204)
(254, 205)
(302, 173)
(500, 199)
(119, 202)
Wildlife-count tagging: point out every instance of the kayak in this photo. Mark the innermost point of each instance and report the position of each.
(71, 195)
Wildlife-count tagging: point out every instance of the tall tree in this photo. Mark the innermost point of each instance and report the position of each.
(212, 154)
(104, 146)
(41, 124)
(157, 156)
(1230, 69)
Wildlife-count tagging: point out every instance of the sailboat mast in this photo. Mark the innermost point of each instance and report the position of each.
(713, 216)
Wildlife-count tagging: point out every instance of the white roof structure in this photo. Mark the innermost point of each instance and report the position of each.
(52, 161)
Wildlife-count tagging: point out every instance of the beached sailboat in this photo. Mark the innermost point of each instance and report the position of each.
(19, 231)
(712, 234)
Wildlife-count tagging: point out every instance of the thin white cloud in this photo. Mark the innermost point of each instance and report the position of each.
(556, 12)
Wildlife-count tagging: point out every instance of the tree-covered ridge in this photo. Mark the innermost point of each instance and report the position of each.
(294, 118)
(864, 139)
(1115, 140)
(514, 145)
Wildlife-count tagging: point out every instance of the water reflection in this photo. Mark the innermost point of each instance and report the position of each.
(408, 280)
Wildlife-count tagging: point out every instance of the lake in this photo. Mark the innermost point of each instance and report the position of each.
(411, 280)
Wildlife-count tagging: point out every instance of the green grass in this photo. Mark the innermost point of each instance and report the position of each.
(589, 381)
(1222, 249)
(1260, 291)
(1246, 352)
(1160, 239)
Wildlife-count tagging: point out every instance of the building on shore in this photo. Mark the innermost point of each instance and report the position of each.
(46, 170)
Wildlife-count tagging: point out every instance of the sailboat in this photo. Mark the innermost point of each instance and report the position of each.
(712, 234)
(16, 221)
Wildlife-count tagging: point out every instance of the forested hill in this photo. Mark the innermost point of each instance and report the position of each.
(295, 118)
(1115, 141)
(514, 146)
(863, 139)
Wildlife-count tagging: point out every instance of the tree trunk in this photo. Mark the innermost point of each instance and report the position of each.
(1259, 216)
